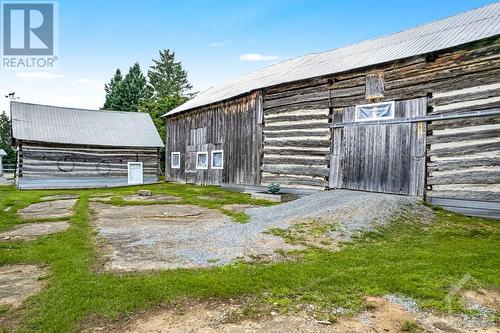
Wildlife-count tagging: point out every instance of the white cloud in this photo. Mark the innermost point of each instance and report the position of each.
(89, 83)
(219, 44)
(31, 76)
(258, 57)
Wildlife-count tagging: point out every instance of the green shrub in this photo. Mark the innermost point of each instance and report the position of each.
(273, 188)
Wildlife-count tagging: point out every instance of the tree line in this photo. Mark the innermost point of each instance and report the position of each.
(163, 88)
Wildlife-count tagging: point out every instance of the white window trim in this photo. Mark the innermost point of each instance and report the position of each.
(212, 160)
(142, 173)
(172, 160)
(393, 110)
(197, 157)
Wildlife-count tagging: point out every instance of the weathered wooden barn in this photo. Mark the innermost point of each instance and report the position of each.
(413, 113)
(74, 148)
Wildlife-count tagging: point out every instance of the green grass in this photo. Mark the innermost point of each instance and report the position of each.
(419, 261)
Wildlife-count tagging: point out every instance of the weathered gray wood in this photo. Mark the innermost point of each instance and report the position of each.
(470, 195)
(297, 143)
(464, 150)
(461, 163)
(375, 85)
(464, 136)
(458, 123)
(472, 177)
(293, 160)
(296, 170)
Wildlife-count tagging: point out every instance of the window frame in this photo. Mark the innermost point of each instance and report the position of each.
(391, 103)
(212, 159)
(172, 160)
(198, 157)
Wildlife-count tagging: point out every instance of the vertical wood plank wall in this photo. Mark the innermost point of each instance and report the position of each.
(233, 127)
(380, 158)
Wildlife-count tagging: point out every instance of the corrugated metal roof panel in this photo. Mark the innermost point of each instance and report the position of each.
(54, 124)
(456, 30)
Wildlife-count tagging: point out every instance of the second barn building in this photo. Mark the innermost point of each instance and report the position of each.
(414, 113)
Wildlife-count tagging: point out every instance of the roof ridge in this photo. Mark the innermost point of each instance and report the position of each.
(452, 28)
(79, 109)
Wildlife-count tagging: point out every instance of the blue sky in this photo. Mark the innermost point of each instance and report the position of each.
(215, 40)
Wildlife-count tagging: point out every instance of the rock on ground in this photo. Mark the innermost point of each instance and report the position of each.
(18, 282)
(32, 230)
(48, 209)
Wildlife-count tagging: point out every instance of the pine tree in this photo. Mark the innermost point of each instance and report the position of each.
(133, 90)
(112, 90)
(126, 94)
(168, 78)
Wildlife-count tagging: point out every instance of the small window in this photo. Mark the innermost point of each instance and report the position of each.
(175, 161)
(217, 159)
(376, 111)
(202, 160)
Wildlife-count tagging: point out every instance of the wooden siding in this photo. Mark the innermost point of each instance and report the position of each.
(464, 154)
(386, 158)
(233, 127)
(43, 164)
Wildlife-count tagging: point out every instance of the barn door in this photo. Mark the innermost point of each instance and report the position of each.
(380, 157)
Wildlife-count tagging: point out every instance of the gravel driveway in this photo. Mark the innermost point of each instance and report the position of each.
(163, 236)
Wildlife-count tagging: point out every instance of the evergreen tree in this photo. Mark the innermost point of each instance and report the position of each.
(6, 140)
(168, 78)
(133, 90)
(112, 90)
(126, 94)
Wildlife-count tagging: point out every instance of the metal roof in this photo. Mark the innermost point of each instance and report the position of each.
(55, 124)
(455, 30)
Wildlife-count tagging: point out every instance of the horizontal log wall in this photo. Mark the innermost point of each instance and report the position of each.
(296, 127)
(234, 127)
(464, 154)
(39, 160)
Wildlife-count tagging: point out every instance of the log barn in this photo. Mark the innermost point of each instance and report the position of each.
(73, 148)
(413, 113)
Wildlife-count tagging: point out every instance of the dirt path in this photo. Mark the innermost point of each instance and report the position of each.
(382, 316)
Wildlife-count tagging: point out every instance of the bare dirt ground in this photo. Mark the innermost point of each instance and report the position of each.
(30, 231)
(48, 209)
(382, 316)
(18, 282)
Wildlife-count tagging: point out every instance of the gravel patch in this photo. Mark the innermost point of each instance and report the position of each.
(173, 236)
(352, 211)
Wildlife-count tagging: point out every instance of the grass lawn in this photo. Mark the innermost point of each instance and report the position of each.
(420, 261)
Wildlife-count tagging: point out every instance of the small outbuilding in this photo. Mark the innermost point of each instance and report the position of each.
(60, 147)
(413, 113)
